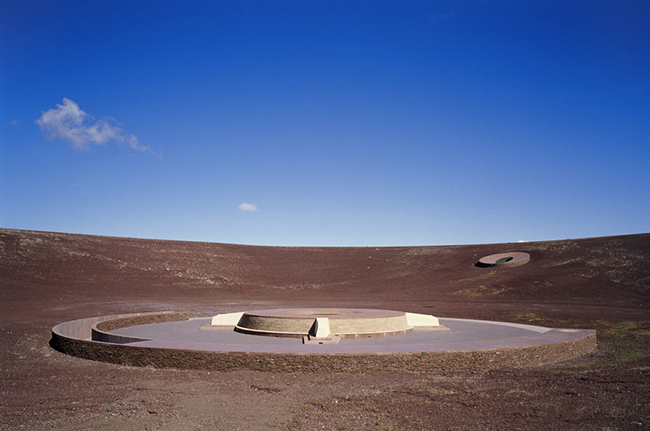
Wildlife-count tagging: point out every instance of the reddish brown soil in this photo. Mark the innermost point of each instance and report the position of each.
(48, 278)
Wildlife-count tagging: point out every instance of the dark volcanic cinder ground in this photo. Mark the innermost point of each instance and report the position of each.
(48, 278)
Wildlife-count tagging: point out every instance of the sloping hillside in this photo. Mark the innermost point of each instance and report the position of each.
(54, 269)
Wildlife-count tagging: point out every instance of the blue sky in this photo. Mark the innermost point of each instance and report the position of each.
(334, 122)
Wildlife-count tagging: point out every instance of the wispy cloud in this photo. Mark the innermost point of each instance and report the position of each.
(14, 123)
(247, 207)
(66, 122)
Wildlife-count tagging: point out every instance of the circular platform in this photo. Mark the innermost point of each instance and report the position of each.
(172, 340)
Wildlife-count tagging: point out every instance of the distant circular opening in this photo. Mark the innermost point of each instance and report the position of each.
(507, 259)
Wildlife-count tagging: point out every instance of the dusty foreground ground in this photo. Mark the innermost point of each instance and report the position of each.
(48, 278)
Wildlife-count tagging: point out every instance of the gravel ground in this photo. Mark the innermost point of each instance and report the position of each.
(599, 283)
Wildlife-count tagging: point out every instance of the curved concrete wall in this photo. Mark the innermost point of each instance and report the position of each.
(107, 337)
(357, 322)
(369, 325)
(97, 328)
(276, 325)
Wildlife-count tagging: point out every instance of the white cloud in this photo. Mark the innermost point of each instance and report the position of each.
(134, 143)
(247, 207)
(522, 240)
(14, 123)
(66, 122)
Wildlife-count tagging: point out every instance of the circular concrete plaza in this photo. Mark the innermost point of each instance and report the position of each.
(317, 340)
(461, 335)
